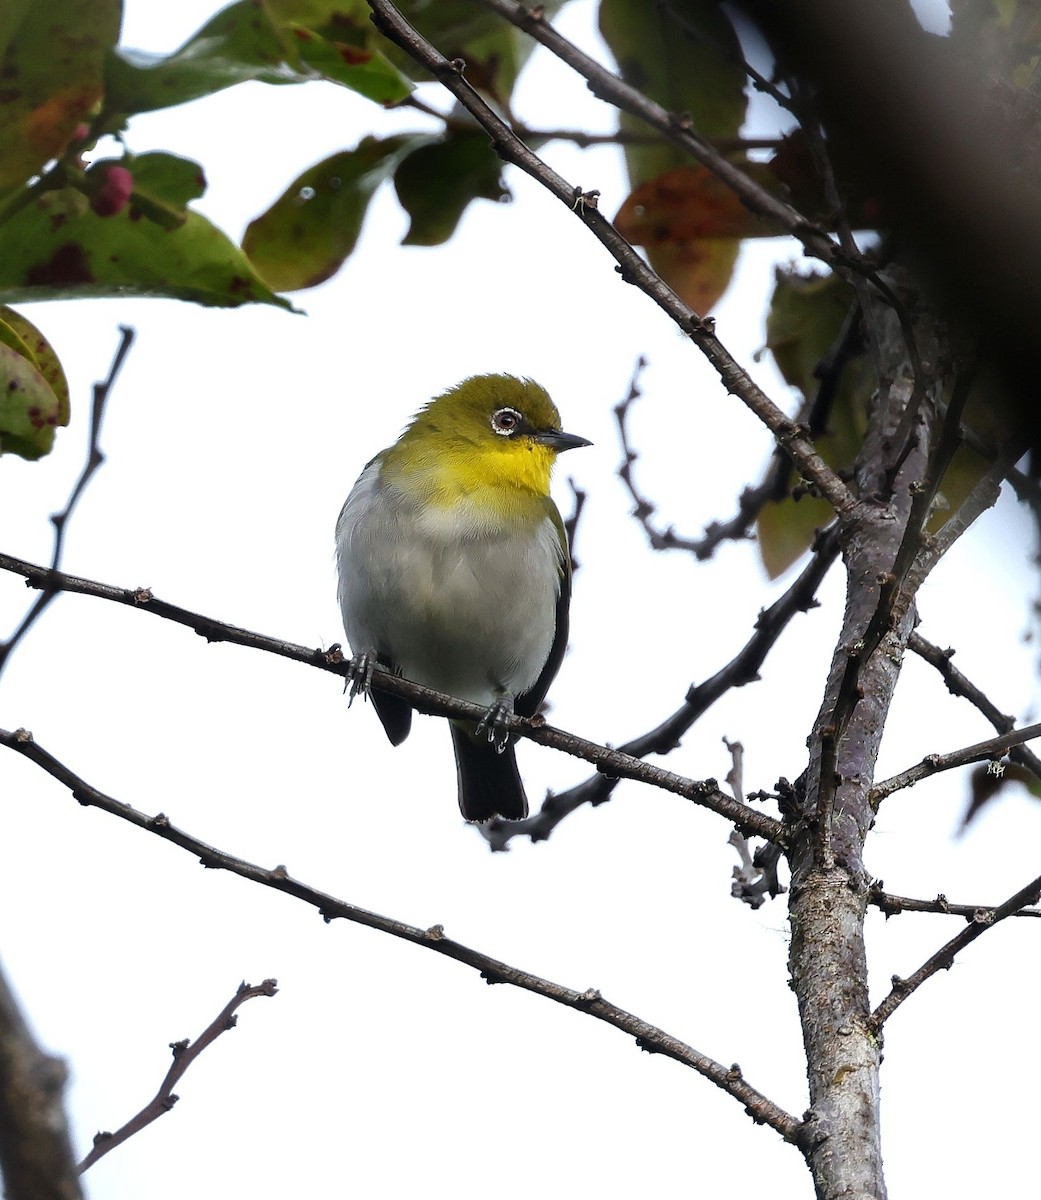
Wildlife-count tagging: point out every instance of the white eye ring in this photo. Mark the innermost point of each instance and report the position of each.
(506, 421)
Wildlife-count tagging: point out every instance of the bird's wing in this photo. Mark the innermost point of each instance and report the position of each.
(528, 703)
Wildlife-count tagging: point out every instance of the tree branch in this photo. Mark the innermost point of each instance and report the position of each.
(676, 127)
(59, 520)
(611, 762)
(993, 748)
(743, 668)
(981, 920)
(184, 1054)
(891, 905)
(35, 1149)
(960, 685)
(631, 266)
(648, 1037)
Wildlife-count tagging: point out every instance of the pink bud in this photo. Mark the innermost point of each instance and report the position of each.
(116, 189)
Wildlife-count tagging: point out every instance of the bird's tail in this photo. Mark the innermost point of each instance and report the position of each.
(489, 783)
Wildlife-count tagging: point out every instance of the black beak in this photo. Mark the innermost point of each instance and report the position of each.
(560, 441)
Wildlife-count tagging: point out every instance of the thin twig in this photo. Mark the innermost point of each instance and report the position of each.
(959, 684)
(813, 414)
(891, 905)
(982, 920)
(611, 762)
(743, 668)
(584, 140)
(993, 748)
(644, 509)
(753, 880)
(94, 460)
(631, 265)
(982, 497)
(184, 1054)
(648, 1037)
(675, 127)
(571, 524)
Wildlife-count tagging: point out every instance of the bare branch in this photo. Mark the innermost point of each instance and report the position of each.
(891, 905)
(184, 1054)
(59, 520)
(571, 524)
(35, 1149)
(742, 669)
(982, 497)
(676, 127)
(610, 762)
(648, 1037)
(993, 748)
(631, 266)
(813, 413)
(644, 509)
(982, 920)
(584, 140)
(960, 685)
(755, 876)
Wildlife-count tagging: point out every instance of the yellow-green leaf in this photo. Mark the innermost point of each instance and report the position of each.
(306, 235)
(34, 397)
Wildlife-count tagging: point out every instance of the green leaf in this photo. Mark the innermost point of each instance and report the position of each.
(243, 42)
(686, 56)
(34, 396)
(336, 39)
(238, 44)
(175, 180)
(52, 55)
(56, 248)
(805, 315)
(437, 182)
(804, 321)
(306, 235)
(163, 186)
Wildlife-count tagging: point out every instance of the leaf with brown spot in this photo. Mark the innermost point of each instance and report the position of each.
(41, 353)
(52, 55)
(34, 397)
(54, 249)
(277, 42)
(686, 56)
(691, 225)
(690, 202)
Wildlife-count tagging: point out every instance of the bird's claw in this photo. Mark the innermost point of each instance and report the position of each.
(493, 723)
(359, 675)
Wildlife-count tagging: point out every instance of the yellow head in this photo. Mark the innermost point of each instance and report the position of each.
(490, 431)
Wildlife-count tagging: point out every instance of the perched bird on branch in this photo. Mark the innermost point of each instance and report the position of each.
(455, 572)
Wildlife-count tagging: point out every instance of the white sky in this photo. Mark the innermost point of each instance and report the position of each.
(380, 1070)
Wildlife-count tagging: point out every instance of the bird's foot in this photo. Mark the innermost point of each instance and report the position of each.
(359, 675)
(493, 723)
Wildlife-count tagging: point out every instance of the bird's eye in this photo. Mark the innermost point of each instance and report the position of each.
(506, 421)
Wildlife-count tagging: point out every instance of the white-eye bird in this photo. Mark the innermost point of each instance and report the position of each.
(455, 571)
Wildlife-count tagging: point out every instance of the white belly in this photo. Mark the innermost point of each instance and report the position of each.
(464, 607)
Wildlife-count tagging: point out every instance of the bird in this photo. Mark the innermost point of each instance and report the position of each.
(455, 572)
